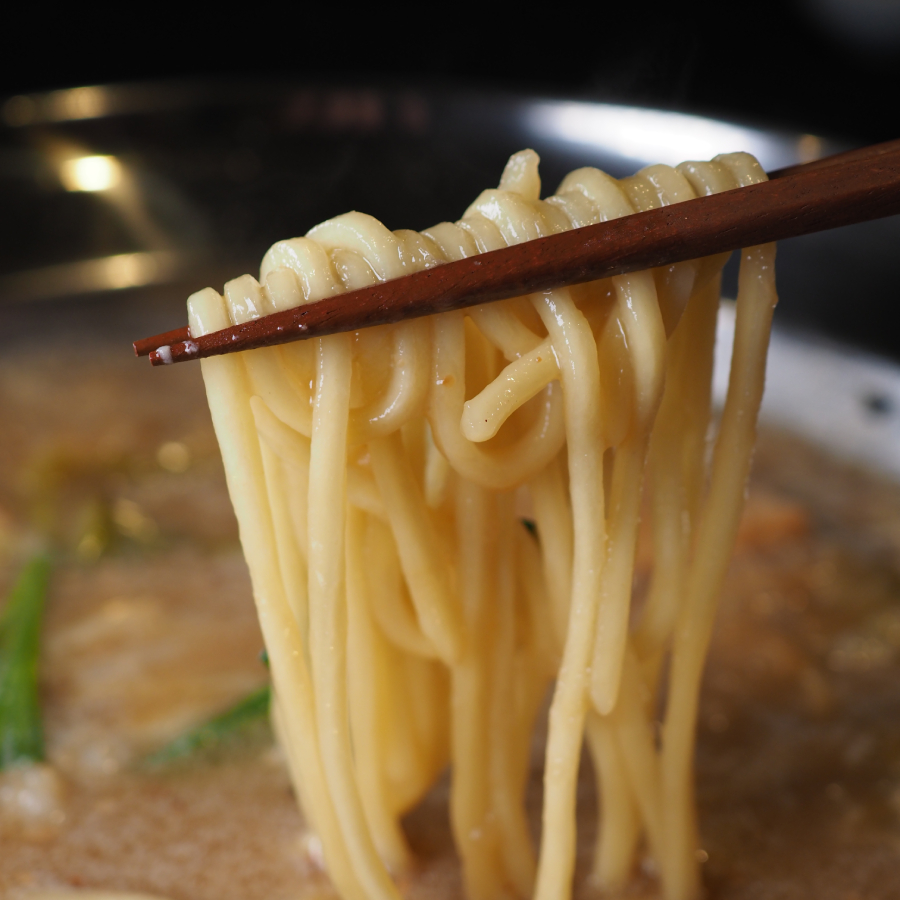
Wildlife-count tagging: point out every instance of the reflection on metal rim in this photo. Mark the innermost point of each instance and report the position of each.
(89, 276)
(97, 102)
(652, 135)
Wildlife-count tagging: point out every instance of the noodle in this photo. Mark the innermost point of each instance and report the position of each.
(411, 621)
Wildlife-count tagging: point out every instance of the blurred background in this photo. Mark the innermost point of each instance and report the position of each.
(154, 150)
(822, 66)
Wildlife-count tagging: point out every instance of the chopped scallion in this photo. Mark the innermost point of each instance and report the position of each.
(216, 731)
(21, 734)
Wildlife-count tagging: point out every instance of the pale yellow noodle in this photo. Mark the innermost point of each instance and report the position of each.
(327, 607)
(541, 651)
(618, 574)
(407, 391)
(553, 515)
(368, 696)
(499, 468)
(716, 534)
(410, 620)
(580, 375)
(227, 394)
(428, 687)
(503, 328)
(437, 473)
(424, 568)
(633, 732)
(506, 777)
(391, 605)
(291, 562)
(474, 829)
(521, 380)
(676, 462)
(618, 832)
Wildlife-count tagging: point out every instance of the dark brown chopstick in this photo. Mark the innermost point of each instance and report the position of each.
(871, 152)
(859, 187)
(145, 346)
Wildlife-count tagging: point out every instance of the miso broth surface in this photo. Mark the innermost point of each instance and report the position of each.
(150, 628)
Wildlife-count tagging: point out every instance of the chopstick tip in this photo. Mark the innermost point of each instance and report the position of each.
(162, 356)
(167, 354)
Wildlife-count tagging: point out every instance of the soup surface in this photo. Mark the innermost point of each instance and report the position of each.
(150, 630)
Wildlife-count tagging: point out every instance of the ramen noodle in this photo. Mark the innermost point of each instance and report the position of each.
(412, 620)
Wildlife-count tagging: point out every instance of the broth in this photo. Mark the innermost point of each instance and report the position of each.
(150, 628)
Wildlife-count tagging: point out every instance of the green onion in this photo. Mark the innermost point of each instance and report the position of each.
(217, 731)
(21, 735)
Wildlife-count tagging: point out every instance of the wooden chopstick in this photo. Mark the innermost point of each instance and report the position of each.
(871, 152)
(145, 346)
(853, 187)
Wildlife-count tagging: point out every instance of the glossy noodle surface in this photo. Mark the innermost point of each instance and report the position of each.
(411, 620)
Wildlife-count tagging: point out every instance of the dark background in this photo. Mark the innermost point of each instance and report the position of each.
(824, 66)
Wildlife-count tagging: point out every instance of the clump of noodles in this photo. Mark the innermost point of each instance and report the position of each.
(411, 620)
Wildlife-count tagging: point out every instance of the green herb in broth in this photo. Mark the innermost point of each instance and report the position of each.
(80, 502)
(21, 734)
(217, 732)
